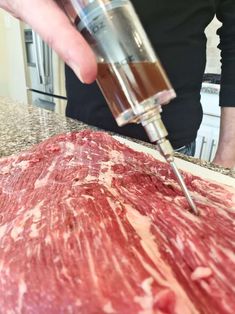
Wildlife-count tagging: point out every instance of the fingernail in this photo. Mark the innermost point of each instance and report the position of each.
(76, 70)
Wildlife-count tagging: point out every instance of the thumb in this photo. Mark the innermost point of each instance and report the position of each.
(51, 23)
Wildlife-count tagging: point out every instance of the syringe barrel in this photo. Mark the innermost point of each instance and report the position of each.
(129, 73)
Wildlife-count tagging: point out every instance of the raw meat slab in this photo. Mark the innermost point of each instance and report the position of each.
(88, 225)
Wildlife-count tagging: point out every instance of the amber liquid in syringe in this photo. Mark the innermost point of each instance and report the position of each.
(143, 79)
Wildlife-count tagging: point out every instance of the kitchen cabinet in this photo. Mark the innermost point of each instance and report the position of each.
(207, 139)
(208, 134)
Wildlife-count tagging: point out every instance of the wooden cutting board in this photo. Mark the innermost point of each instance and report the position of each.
(183, 165)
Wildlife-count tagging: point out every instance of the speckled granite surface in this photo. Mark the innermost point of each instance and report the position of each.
(22, 126)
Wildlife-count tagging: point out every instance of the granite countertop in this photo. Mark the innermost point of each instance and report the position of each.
(22, 126)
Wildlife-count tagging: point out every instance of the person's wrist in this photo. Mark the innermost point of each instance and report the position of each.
(226, 161)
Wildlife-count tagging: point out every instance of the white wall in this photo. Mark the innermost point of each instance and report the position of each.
(3, 59)
(12, 75)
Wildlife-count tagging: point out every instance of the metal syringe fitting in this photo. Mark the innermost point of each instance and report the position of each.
(166, 149)
(157, 133)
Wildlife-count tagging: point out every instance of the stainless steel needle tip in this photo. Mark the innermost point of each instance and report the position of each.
(194, 209)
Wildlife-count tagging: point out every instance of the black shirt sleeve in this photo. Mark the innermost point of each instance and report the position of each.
(225, 13)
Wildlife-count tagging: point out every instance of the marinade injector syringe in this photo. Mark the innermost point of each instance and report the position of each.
(130, 75)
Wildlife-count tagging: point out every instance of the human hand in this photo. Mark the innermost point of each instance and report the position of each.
(51, 23)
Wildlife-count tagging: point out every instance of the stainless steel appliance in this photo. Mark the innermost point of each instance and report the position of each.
(44, 73)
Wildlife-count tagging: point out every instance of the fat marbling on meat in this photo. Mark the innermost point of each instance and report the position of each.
(88, 225)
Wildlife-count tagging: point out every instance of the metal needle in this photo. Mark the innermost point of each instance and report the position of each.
(157, 133)
(194, 209)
